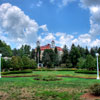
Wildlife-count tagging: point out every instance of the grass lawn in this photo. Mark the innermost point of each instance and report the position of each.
(63, 73)
(26, 88)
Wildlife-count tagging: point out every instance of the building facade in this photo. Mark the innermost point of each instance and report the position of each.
(49, 46)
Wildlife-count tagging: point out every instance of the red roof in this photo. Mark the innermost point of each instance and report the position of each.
(59, 49)
(48, 46)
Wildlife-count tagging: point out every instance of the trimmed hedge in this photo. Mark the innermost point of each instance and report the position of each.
(16, 72)
(86, 72)
(57, 69)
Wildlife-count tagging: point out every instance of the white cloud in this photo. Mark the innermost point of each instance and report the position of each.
(39, 4)
(65, 2)
(17, 26)
(44, 27)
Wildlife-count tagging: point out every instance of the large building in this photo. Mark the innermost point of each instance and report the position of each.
(49, 46)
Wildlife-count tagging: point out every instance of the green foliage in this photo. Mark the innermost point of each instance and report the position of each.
(33, 64)
(23, 51)
(5, 49)
(66, 58)
(90, 63)
(85, 72)
(14, 63)
(48, 58)
(26, 62)
(95, 89)
(47, 78)
(81, 62)
(74, 55)
(17, 72)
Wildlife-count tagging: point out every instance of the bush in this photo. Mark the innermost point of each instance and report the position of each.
(16, 72)
(47, 78)
(86, 72)
(57, 69)
(95, 89)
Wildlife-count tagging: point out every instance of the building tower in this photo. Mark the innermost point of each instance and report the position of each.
(38, 43)
(53, 44)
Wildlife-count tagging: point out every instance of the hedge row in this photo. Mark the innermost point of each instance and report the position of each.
(86, 72)
(17, 72)
(57, 69)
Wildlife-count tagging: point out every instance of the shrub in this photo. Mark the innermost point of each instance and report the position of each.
(16, 72)
(57, 69)
(95, 89)
(86, 72)
(47, 78)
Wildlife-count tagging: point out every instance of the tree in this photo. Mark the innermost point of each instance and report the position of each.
(74, 55)
(33, 64)
(26, 62)
(92, 52)
(65, 57)
(32, 56)
(90, 63)
(48, 58)
(81, 62)
(5, 49)
(57, 60)
(86, 51)
(20, 63)
(14, 63)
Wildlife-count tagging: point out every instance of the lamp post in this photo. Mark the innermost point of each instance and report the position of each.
(97, 66)
(0, 64)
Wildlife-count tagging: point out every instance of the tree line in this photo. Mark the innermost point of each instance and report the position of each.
(25, 57)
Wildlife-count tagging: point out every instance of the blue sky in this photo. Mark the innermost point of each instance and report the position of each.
(65, 21)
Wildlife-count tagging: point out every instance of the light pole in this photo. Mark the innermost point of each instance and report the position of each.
(0, 65)
(97, 66)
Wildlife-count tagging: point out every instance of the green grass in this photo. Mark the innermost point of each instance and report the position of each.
(26, 88)
(63, 73)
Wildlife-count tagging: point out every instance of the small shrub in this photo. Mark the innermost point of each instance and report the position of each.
(47, 78)
(95, 89)
(86, 72)
(16, 72)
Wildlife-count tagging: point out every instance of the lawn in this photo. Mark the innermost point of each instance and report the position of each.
(57, 73)
(26, 88)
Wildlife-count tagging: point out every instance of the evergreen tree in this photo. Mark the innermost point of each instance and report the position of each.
(92, 52)
(48, 58)
(86, 51)
(74, 55)
(65, 57)
(32, 56)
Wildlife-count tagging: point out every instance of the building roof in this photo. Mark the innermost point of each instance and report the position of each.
(48, 46)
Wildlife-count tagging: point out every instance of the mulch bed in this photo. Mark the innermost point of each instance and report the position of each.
(88, 96)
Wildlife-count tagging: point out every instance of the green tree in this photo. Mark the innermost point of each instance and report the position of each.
(5, 49)
(65, 57)
(48, 58)
(74, 55)
(90, 63)
(81, 63)
(86, 51)
(20, 63)
(14, 63)
(26, 62)
(32, 56)
(33, 64)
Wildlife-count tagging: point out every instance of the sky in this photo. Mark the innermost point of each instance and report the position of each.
(64, 21)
